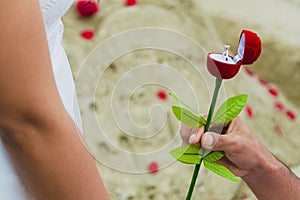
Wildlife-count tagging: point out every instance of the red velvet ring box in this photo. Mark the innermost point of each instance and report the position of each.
(226, 67)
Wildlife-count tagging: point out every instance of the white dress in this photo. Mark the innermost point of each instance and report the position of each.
(11, 188)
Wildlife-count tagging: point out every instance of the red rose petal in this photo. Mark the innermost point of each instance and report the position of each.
(162, 95)
(86, 8)
(278, 131)
(249, 111)
(245, 196)
(274, 92)
(263, 81)
(249, 72)
(290, 114)
(153, 167)
(87, 34)
(279, 106)
(131, 2)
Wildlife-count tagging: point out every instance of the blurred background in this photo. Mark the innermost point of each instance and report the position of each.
(126, 57)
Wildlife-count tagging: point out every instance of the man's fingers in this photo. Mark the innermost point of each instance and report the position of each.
(195, 138)
(190, 135)
(186, 132)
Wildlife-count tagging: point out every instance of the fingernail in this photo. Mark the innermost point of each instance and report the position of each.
(209, 140)
(192, 138)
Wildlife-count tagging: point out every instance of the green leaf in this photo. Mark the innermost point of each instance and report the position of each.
(182, 103)
(188, 117)
(220, 170)
(230, 109)
(189, 154)
(214, 156)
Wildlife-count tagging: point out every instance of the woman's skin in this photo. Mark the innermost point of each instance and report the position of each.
(40, 137)
(249, 159)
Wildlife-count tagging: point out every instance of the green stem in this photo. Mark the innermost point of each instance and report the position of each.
(218, 84)
(193, 181)
(213, 103)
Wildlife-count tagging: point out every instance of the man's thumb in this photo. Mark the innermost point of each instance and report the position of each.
(212, 141)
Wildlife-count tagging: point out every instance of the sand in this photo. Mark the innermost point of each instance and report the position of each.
(159, 46)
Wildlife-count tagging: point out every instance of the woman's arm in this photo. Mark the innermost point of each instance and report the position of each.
(39, 135)
(249, 159)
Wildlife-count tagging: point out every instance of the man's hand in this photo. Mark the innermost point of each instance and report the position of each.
(247, 158)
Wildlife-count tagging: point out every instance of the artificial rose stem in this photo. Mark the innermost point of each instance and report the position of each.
(218, 84)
